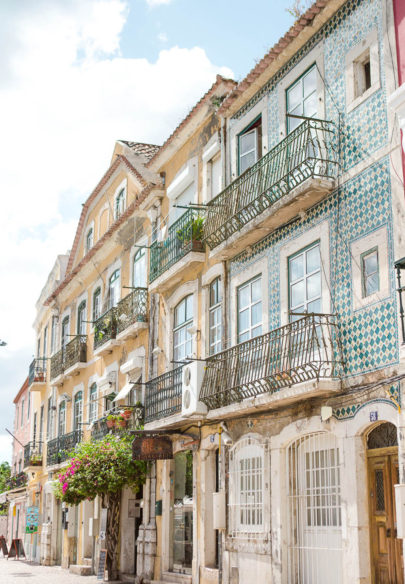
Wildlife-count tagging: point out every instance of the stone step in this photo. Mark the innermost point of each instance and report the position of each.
(80, 569)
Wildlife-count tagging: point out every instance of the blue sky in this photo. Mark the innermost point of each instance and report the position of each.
(75, 75)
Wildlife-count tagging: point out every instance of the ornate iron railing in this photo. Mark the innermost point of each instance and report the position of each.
(75, 351)
(37, 370)
(163, 395)
(134, 421)
(33, 453)
(57, 364)
(131, 309)
(308, 151)
(184, 235)
(305, 349)
(59, 448)
(16, 481)
(100, 429)
(105, 328)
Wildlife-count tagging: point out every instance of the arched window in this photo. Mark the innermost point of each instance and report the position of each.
(119, 203)
(182, 338)
(78, 411)
(62, 419)
(89, 239)
(246, 487)
(139, 272)
(97, 304)
(93, 403)
(65, 332)
(114, 289)
(81, 318)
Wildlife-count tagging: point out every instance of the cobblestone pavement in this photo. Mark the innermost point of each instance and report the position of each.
(22, 572)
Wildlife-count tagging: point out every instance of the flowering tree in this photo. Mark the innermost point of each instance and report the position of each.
(102, 468)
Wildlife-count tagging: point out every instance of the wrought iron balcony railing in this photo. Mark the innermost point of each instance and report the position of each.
(131, 309)
(16, 481)
(163, 395)
(308, 151)
(305, 349)
(75, 351)
(37, 371)
(134, 421)
(105, 328)
(33, 453)
(184, 235)
(59, 448)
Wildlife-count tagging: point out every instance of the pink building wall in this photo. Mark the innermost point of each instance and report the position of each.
(399, 18)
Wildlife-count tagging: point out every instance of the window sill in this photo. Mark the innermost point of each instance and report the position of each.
(361, 98)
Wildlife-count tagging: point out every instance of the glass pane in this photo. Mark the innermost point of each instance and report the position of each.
(246, 161)
(247, 142)
(314, 306)
(311, 106)
(370, 263)
(243, 296)
(309, 82)
(256, 314)
(372, 284)
(294, 96)
(296, 268)
(256, 331)
(314, 286)
(313, 259)
(257, 290)
(183, 511)
(243, 337)
(189, 307)
(180, 313)
(297, 294)
(243, 320)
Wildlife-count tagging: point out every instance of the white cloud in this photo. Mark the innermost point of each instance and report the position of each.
(158, 2)
(66, 96)
(5, 448)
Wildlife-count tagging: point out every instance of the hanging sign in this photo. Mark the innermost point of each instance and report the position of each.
(152, 447)
(31, 525)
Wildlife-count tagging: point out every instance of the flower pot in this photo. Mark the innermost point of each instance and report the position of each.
(110, 423)
(126, 414)
(122, 423)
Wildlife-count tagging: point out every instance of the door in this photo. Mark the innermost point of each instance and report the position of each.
(386, 548)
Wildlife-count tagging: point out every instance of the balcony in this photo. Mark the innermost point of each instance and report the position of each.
(69, 360)
(37, 374)
(105, 331)
(17, 481)
(59, 448)
(102, 427)
(33, 454)
(297, 361)
(131, 313)
(163, 395)
(292, 177)
(182, 250)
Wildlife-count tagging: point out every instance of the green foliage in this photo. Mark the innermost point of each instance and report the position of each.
(5, 472)
(193, 229)
(100, 468)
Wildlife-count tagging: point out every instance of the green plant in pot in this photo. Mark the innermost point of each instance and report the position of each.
(191, 231)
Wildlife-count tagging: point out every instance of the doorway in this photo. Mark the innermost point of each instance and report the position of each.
(182, 513)
(386, 548)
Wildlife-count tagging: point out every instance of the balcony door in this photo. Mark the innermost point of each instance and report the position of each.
(182, 513)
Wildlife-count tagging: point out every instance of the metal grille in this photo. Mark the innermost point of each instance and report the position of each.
(379, 490)
(314, 510)
(163, 395)
(131, 309)
(57, 364)
(105, 328)
(33, 453)
(75, 351)
(308, 151)
(184, 235)
(305, 349)
(58, 450)
(37, 371)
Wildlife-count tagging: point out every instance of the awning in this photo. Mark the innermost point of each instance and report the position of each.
(124, 391)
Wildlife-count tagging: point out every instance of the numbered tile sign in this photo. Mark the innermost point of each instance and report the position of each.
(31, 525)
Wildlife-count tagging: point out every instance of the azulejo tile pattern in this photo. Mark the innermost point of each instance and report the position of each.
(346, 412)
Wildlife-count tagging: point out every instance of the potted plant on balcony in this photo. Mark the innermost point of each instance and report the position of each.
(36, 460)
(191, 232)
(116, 421)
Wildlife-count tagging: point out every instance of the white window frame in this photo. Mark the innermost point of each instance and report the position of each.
(116, 288)
(190, 287)
(215, 309)
(250, 307)
(304, 278)
(368, 48)
(83, 321)
(63, 402)
(77, 415)
(140, 255)
(211, 153)
(300, 80)
(184, 326)
(90, 232)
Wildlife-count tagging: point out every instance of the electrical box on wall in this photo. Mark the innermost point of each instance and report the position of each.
(219, 510)
(400, 509)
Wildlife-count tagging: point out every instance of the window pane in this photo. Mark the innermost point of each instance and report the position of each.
(243, 296)
(296, 268)
(257, 290)
(310, 106)
(294, 96)
(246, 161)
(314, 286)
(243, 320)
(314, 306)
(370, 263)
(297, 293)
(189, 307)
(313, 259)
(256, 314)
(309, 81)
(247, 142)
(372, 284)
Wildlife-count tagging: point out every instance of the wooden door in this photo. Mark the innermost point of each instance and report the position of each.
(386, 548)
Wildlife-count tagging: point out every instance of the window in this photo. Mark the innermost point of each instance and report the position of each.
(249, 301)
(139, 273)
(214, 176)
(119, 204)
(53, 334)
(45, 347)
(215, 317)
(362, 67)
(370, 277)
(78, 411)
(362, 74)
(114, 289)
(38, 348)
(49, 422)
(93, 403)
(89, 239)
(246, 487)
(81, 318)
(250, 145)
(22, 412)
(29, 405)
(96, 304)
(62, 419)
(304, 276)
(181, 203)
(65, 331)
(302, 98)
(182, 338)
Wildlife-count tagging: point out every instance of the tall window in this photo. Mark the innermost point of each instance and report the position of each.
(65, 331)
(50, 419)
(89, 239)
(62, 419)
(246, 488)
(41, 424)
(249, 309)
(370, 277)
(29, 405)
(119, 203)
(305, 282)
(302, 98)
(53, 334)
(93, 403)
(78, 411)
(182, 338)
(114, 289)
(215, 317)
(97, 304)
(214, 176)
(250, 145)
(38, 348)
(45, 346)
(81, 318)
(139, 272)
(22, 412)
